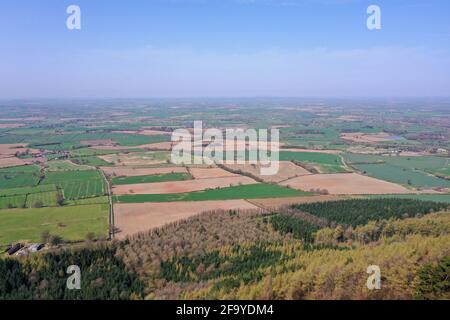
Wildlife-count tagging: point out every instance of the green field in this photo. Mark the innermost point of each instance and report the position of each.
(27, 190)
(42, 195)
(17, 177)
(61, 165)
(442, 172)
(71, 223)
(8, 202)
(94, 200)
(151, 178)
(43, 199)
(77, 184)
(71, 141)
(328, 163)
(415, 178)
(84, 152)
(411, 171)
(92, 161)
(251, 191)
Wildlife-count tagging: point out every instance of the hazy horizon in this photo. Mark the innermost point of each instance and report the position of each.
(189, 49)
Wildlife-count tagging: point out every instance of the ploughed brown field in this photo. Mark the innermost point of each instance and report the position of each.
(10, 150)
(12, 162)
(205, 173)
(345, 184)
(181, 186)
(133, 172)
(131, 218)
(286, 171)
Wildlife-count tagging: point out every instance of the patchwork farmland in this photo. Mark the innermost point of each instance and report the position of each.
(124, 168)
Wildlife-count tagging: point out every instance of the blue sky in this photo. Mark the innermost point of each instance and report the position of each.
(224, 48)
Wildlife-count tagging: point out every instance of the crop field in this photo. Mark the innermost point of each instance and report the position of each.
(41, 195)
(328, 163)
(413, 171)
(71, 223)
(442, 172)
(71, 141)
(182, 186)
(92, 161)
(420, 163)
(151, 178)
(77, 184)
(64, 165)
(251, 191)
(27, 190)
(16, 177)
(415, 178)
(17, 201)
(42, 199)
(138, 158)
(87, 201)
(85, 152)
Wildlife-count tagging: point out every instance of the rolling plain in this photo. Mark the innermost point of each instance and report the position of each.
(84, 176)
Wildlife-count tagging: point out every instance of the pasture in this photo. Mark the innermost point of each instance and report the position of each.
(16, 201)
(327, 162)
(71, 223)
(22, 176)
(82, 202)
(64, 165)
(393, 173)
(77, 184)
(27, 190)
(412, 171)
(42, 199)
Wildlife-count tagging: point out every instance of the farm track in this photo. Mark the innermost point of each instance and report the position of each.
(111, 208)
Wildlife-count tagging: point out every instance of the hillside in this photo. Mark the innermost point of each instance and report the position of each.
(250, 255)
